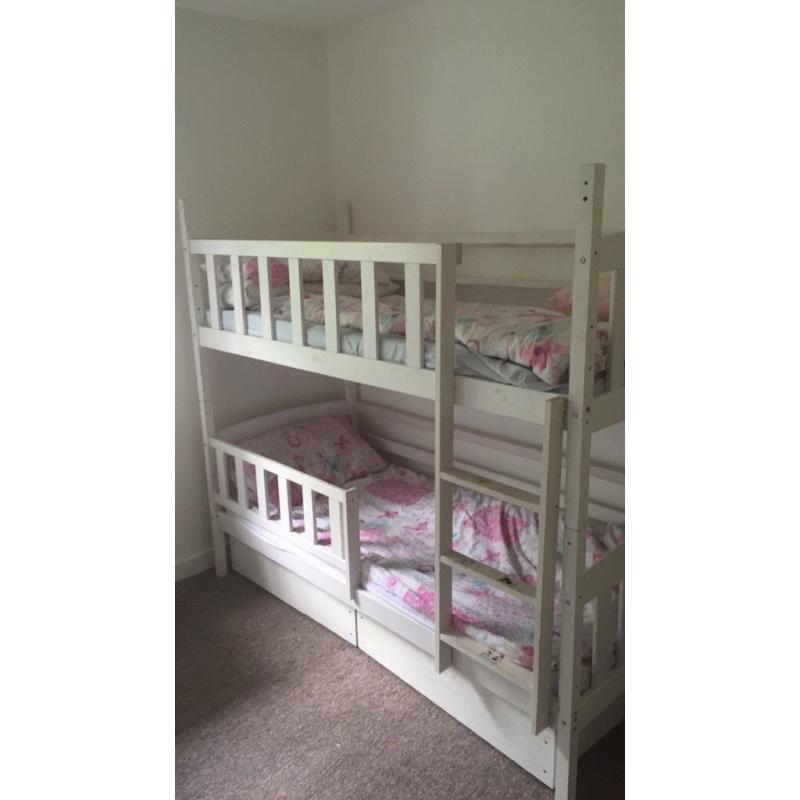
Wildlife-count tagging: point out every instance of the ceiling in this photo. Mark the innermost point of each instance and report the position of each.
(315, 15)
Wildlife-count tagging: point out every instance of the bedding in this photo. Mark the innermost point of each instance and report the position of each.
(397, 513)
(328, 448)
(530, 337)
(393, 349)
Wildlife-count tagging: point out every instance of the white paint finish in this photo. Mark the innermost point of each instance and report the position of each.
(265, 294)
(330, 290)
(241, 169)
(298, 593)
(312, 15)
(237, 289)
(503, 725)
(297, 302)
(546, 562)
(369, 309)
(472, 115)
(414, 294)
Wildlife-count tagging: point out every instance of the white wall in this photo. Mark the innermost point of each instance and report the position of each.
(471, 115)
(252, 153)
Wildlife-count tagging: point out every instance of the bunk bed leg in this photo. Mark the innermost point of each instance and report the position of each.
(445, 398)
(206, 408)
(581, 394)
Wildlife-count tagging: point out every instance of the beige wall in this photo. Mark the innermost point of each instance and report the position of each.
(252, 153)
(473, 115)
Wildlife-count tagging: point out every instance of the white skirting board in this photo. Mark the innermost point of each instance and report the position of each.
(296, 592)
(194, 565)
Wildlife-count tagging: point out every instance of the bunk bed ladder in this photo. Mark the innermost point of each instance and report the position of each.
(448, 561)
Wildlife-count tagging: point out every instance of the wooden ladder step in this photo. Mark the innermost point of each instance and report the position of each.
(489, 658)
(500, 491)
(501, 581)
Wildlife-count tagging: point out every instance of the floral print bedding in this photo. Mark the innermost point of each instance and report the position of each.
(531, 337)
(398, 547)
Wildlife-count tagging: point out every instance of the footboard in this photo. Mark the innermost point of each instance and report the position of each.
(274, 508)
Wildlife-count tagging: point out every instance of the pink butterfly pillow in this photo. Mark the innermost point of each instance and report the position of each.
(562, 301)
(328, 448)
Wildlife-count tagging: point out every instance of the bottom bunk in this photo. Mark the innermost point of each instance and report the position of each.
(362, 564)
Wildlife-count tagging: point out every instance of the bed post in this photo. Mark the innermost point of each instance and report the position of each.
(445, 398)
(579, 408)
(206, 407)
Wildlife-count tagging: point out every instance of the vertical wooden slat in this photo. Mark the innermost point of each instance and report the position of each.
(241, 486)
(415, 353)
(336, 511)
(285, 505)
(265, 291)
(352, 552)
(552, 442)
(369, 309)
(296, 300)
(222, 475)
(237, 289)
(616, 331)
(581, 394)
(603, 636)
(309, 517)
(213, 291)
(330, 295)
(445, 387)
(261, 492)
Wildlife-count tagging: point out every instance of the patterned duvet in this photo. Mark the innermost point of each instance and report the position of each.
(530, 337)
(398, 546)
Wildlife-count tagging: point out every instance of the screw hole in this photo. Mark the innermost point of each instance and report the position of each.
(585, 199)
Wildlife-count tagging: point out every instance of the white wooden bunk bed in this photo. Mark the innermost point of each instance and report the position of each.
(540, 720)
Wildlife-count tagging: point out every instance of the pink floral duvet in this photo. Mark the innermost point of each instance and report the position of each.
(397, 556)
(531, 337)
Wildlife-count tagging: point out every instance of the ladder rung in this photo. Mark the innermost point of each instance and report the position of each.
(501, 491)
(501, 581)
(489, 658)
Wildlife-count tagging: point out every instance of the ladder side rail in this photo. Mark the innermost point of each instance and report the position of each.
(552, 444)
(581, 393)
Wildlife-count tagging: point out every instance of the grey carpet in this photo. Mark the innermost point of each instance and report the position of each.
(271, 705)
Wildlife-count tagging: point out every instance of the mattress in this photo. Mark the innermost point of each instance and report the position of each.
(397, 532)
(469, 363)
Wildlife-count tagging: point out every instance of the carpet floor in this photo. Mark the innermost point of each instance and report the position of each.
(272, 706)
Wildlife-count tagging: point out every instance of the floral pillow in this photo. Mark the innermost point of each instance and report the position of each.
(328, 448)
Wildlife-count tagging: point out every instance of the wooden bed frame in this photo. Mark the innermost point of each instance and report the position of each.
(512, 708)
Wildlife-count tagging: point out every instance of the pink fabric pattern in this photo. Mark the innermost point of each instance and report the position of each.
(398, 556)
(329, 448)
(531, 337)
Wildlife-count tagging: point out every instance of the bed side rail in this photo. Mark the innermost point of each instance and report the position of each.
(208, 254)
(295, 524)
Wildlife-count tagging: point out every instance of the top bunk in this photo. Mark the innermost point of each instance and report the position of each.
(365, 311)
